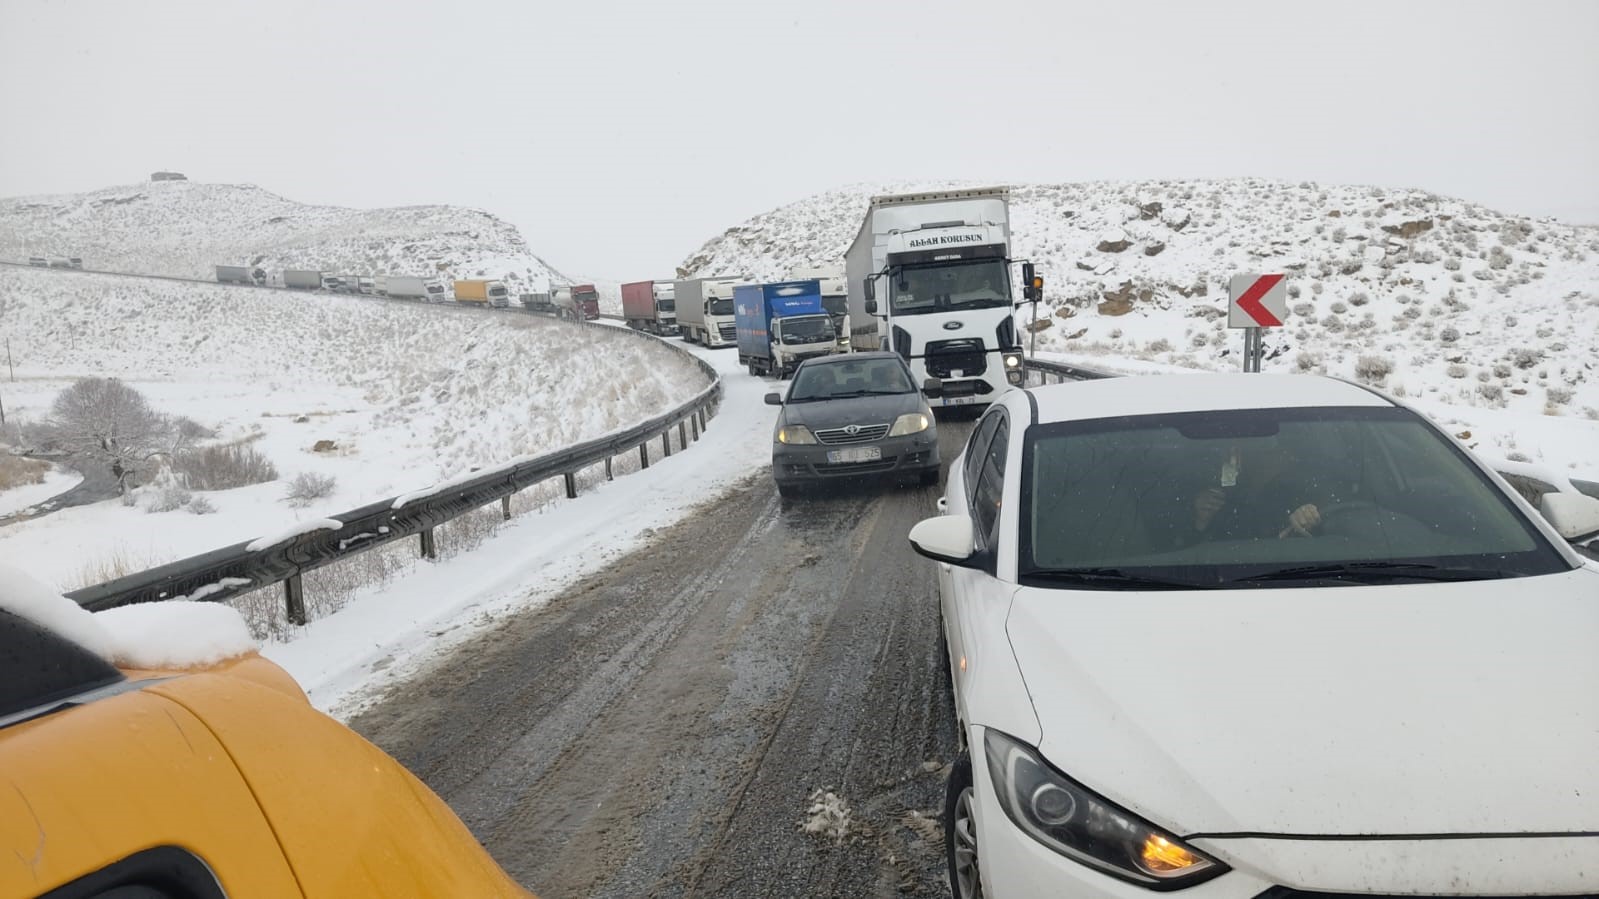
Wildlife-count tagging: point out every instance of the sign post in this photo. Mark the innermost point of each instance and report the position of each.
(1256, 302)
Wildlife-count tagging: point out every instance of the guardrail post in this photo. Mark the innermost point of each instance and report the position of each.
(694, 425)
(430, 546)
(608, 475)
(700, 414)
(571, 485)
(294, 599)
(666, 443)
(505, 507)
(682, 435)
(644, 454)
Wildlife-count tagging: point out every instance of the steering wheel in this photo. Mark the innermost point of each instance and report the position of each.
(1350, 517)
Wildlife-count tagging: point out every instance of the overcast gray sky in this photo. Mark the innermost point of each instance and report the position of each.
(620, 135)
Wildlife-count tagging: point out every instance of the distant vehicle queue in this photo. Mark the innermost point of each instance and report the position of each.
(928, 278)
(577, 301)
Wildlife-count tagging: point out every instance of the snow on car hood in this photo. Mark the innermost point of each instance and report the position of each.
(1430, 708)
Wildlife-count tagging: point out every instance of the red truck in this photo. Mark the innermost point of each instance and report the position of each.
(648, 306)
(580, 302)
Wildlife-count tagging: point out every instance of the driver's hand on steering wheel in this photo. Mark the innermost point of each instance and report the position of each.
(1301, 521)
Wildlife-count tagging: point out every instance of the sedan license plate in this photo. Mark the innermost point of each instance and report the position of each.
(855, 454)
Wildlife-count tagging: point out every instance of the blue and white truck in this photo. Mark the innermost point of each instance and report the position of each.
(780, 325)
(929, 278)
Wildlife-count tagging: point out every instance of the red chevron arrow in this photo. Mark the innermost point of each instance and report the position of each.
(1250, 301)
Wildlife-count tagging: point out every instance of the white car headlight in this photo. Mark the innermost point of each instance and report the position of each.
(1013, 360)
(795, 435)
(910, 423)
(1067, 818)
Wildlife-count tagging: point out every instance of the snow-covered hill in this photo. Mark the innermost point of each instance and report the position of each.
(384, 396)
(1415, 293)
(185, 228)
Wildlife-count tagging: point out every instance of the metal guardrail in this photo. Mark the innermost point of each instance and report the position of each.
(1062, 371)
(224, 573)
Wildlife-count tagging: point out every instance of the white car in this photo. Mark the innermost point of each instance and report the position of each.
(1260, 636)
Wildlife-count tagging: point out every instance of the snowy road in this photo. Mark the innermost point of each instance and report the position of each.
(658, 729)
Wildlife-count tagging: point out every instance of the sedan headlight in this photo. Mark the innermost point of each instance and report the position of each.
(910, 423)
(795, 435)
(1080, 825)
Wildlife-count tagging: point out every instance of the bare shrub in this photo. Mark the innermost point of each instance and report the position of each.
(1333, 323)
(1456, 370)
(223, 467)
(15, 471)
(1304, 310)
(120, 562)
(1307, 361)
(1491, 392)
(1339, 307)
(1449, 335)
(1159, 345)
(1359, 298)
(168, 499)
(1373, 368)
(1525, 357)
(192, 430)
(308, 486)
(200, 506)
(1501, 370)
(1559, 396)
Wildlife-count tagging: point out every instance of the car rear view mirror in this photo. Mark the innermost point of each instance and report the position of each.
(774, 399)
(947, 538)
(1574, 517)
(932, 388)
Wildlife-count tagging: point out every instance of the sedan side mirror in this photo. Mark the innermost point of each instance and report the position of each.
(1574, 517)
(933, 388)
(774, 399)
(947, 538)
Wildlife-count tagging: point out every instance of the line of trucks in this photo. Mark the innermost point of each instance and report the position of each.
(927, 276)
(579, 302)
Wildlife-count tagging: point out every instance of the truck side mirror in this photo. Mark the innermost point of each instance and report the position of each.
(933, 388)
(869, 284)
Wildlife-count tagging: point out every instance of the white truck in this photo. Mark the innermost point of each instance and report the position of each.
(402, 287)
(929, 278)
(705, 310)
(835, 297)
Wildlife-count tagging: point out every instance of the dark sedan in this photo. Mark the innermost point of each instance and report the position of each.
(851, 416)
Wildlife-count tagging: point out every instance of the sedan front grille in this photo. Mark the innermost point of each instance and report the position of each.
(863, 434)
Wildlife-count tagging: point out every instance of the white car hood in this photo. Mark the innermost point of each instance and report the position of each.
(1416, 709)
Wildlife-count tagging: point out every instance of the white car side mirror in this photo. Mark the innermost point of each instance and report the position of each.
(947, 538)
(1573, 516)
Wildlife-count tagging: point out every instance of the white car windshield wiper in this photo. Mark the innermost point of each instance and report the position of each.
(1377, 572)
(1110, 578)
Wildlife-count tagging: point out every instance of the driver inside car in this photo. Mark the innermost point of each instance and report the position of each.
(1258, 492)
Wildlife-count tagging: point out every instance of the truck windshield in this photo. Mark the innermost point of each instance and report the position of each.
(950, 287)
(584, 296)
(666, 305)
(719, 307)
(806, 329)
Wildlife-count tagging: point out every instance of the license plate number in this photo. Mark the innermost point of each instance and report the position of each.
(855, 454)
(959, 400)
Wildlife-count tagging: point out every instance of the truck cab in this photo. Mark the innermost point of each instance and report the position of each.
(780, 325)
(665, 307)
(717, 327)
(499, 295)
(930, 280)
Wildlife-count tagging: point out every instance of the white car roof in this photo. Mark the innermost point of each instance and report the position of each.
(1161, 394)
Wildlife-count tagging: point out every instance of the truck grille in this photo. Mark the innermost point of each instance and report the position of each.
(864, 434)
(729, 332)
(965, 356)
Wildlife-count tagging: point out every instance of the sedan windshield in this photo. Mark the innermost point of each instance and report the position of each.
(950, 287)
(1257, 497)
(868, 377)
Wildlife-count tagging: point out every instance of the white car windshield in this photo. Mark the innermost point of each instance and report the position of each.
(1245, 498)
(835, 380)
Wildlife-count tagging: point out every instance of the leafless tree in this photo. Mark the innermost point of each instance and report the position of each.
(102, 423)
